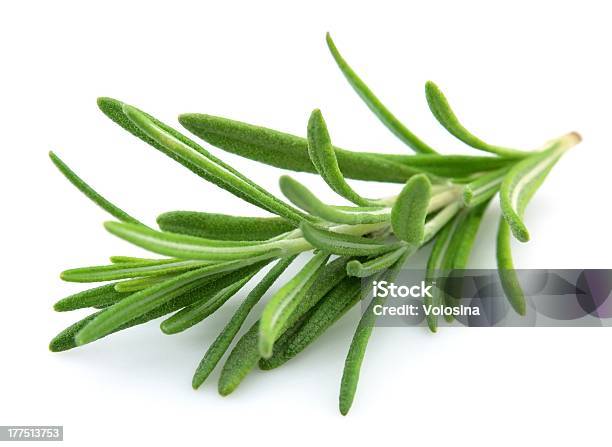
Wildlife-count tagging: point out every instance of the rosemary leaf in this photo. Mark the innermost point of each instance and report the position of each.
(331, 308)
(218, 172)
(410, 210)
(345, 244)
(356, 353)
(142, 302)
(245, 355)
(218, 348)
(469, 230)
(374, 104)
(285, 301)
(223, 226)
(287, 151)
(65, 340)
(206, 306)
(129, 270)
(301, 197)
(91, 193)
(505, 267)
(153, 130)
(323, 157)
(136, 284)
(377, 264)
(440, 108)
(524, 179)
(457, 251)
(98, 296)
(191, 247)
(240, 362)
(434, 265)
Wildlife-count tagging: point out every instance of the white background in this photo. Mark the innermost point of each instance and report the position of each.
(518, 73)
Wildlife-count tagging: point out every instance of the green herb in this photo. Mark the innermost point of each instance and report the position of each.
(301, 197)
(287, 151)
(356, 353)
(207, 305)
(410, 210)
(376, 264)
(107, 206)
(374, 104)
(441, 110)
(331, 308)
(245, 355)
(223, 227)
(129, 270)
(222, 342)
(98, 296)
(324, 159)
(285, 301)
(345, 244)
(211, 257)
(507, 275)
(524, 179)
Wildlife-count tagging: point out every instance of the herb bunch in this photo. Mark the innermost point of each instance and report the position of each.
(209, 257)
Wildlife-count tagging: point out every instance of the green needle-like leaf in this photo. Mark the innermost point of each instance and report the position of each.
(240, 362)
(451, 251)
(441, 110)
(410, 210)
(217, 172)
(301, 197)
(245, 355)
(469, 229)
(98, 296)
(287, 151)
(505, 267)
(458, 249)
(374, 104)
(329, 310)
(524, 179)
(136, 284)
(191, 247)
(206, 306)
(129, 270)
(218, 348)
(66, 339)
(356, 353)
(91, 193)
(345, 244)
(434, 266)
(285, 301)
(324, 159)
(142, 302)
(377, 264)
(223, 226)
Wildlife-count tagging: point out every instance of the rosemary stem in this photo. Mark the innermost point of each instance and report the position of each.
(439, 220)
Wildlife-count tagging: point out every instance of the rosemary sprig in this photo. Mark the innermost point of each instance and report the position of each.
(442, 111)
(211, 257)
